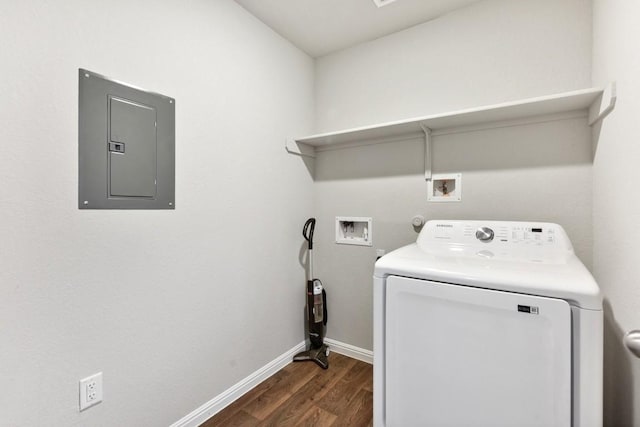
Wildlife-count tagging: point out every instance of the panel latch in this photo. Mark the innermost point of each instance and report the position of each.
(116, 147)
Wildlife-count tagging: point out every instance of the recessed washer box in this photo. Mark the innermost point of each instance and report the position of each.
(445, 188)
(126, 146)
(354, 230)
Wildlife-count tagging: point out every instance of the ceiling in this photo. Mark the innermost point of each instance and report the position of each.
(320, 27)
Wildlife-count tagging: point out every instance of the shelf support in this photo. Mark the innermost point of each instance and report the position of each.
(596, 115)
(427, 152)
(294, 147)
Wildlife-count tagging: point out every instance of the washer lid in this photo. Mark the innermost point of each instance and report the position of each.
(529, 258)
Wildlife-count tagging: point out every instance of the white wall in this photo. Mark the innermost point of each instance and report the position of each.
(490, 52)
(176, 306)
(616, 203)
(487, 53)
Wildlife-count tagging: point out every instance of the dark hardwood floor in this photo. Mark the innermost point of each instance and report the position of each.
(303, 394)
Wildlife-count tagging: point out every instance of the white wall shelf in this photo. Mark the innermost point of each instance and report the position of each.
(593, 102)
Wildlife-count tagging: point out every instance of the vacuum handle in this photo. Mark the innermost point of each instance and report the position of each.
(307, 231)
(324, 307)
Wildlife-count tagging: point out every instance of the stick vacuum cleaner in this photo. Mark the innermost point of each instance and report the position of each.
(316, 309)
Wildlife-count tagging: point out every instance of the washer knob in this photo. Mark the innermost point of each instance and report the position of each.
(484, 234)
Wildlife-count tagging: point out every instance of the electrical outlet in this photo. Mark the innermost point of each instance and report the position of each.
(90, 391)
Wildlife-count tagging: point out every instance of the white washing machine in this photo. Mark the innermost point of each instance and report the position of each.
(487, 323)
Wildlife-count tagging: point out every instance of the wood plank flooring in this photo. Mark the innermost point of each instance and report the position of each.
(303, 394)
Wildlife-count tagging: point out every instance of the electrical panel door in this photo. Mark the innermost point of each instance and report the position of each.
(126, 146)
(132, 149)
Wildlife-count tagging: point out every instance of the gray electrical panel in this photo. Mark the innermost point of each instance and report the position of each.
(126, 146)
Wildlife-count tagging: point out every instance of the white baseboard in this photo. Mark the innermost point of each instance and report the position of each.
(350, 350)
(227, 397)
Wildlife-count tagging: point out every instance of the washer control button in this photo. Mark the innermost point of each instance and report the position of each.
(484, 234)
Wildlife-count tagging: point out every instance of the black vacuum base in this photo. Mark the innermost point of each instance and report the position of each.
(318, 355)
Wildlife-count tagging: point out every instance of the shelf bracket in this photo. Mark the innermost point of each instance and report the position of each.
(596, 112)
(294, 147)
(427, 152)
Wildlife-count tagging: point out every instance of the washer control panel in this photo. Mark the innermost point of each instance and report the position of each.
(495, 233)
(491, 241)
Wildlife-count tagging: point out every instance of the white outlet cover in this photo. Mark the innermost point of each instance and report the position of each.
(90, 391)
